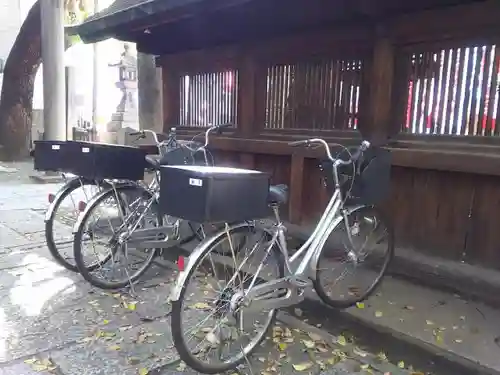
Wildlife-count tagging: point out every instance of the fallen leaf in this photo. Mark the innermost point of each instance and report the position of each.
(201, 306)
(408, 307)
(143, 371)
(105, 321)
(360, 305)
(416, 373)
(458, 341)
(401, 364)
(308, 344)
(132, 306)
(382, 356)
(298, 312)
(359, 352)
(303, 366)
(181, 367)
(30, 361)
(378, 314)
(429, 322)
(341, 340)
(315, 337)
(282, 346)
(114, 347)
(38, 367)
(365, 366)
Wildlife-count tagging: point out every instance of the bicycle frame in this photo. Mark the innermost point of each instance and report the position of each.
(270, 294)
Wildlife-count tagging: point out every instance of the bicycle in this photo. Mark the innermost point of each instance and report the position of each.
(55, 244)
(133, 217)
(282, 282)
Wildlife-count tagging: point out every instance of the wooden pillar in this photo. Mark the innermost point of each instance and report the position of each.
(171, 98)
(296, 188)
(379, 76)
(251, 97)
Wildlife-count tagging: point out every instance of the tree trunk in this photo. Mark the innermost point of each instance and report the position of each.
(16, 100)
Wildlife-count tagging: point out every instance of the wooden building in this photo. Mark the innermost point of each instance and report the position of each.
(424, 73)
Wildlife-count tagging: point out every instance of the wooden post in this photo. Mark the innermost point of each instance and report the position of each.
(296, 188)
(376, 124)
(251, 96)
(171, 98)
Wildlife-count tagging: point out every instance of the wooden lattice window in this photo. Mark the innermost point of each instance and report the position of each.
(453, 91)
(314, 95)
(209, 99)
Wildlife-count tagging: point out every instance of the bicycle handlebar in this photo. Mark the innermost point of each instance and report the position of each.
(353, 157)
(213, 128)
(172, 134)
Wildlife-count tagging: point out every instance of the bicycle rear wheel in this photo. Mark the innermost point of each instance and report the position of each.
(113, 208)
(210, 283)
(350, 255)
(66, 204)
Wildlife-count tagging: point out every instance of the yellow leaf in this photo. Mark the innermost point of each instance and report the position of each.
(382, 356)
(143, 371)
(39, 367)
(282, 346)
(303, 366)
(365, 367)
(458, 341)
(341, 340)
(401, 364)
(114, 347)
(429, 322)
(360, 305)
(30, 361)
(201, 306)
(308, 344)
(131, 306)
(105, 321)
(378, 314)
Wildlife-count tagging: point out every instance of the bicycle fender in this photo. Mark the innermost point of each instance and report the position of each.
(81, 215)
(315, 259)
(193, 257)
(70, 184)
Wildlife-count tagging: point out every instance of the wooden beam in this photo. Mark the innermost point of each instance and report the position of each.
(296, 188)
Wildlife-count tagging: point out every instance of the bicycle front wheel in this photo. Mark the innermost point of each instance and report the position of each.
(355, 258)
(207, 321)
(108, 263)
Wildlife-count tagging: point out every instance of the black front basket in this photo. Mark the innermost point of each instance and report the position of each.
(366, 182)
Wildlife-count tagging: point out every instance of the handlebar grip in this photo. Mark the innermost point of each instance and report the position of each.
(299, 143)
(133, 134)
(222, 126)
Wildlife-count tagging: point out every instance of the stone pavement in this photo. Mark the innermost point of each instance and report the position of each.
(53, 322)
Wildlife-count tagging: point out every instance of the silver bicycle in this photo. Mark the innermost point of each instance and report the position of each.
(265, 275)
(123, 227)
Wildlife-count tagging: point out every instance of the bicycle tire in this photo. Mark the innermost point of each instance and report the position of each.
(69, 188)
(343, 304)
(176, 313)
(77, 248)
